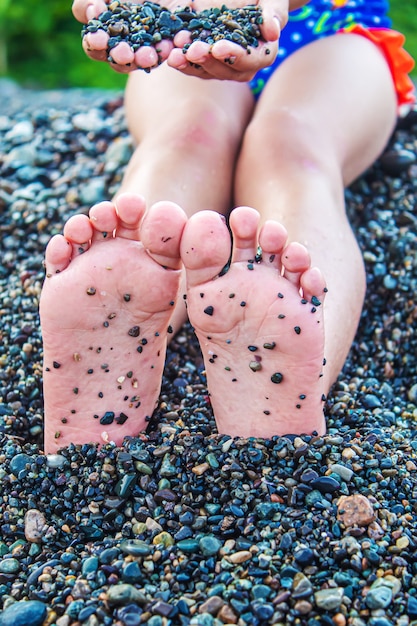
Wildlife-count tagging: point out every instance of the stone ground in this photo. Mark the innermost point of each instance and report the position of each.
(181, 526)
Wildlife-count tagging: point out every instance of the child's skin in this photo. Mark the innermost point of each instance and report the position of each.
(323, 118)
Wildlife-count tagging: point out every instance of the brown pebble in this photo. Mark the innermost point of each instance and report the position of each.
(239, 557)
(199, 470)
(303, 607)
(355, 510)
(212, 605)
(35, 525)
(91, 291)
(134, 331)
(375, 531)
(227, 615)
(118, 28)
(339, 619)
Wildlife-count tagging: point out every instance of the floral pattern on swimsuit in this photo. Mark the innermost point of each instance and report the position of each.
(321, 18)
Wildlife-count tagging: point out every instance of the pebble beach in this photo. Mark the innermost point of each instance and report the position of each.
(181, 526)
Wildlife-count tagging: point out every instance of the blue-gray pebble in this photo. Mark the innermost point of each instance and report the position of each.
(23, 613)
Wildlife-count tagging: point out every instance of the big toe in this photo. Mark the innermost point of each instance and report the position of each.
(161, 231)
(205, 247)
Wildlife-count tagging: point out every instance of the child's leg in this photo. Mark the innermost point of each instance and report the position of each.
(324, 117)
(188, 133)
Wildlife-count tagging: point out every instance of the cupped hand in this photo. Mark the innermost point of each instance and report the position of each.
(226, 60)
(223, 60)
(123, 58)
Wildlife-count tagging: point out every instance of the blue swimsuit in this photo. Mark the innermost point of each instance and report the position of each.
(321, 18)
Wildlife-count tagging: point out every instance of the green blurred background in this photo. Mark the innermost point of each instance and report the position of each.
(40, 45)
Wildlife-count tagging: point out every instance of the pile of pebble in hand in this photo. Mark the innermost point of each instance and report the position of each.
(181, 526)
(148, 23)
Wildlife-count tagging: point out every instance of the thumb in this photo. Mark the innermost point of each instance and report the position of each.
(84, 10)
(275, 18)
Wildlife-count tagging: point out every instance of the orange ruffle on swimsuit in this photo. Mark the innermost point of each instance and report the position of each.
(399, 61)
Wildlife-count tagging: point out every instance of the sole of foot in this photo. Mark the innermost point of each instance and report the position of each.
(111, 285)
(259, 323)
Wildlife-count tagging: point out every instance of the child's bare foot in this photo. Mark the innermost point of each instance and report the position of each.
(105, 309)
(261, 340)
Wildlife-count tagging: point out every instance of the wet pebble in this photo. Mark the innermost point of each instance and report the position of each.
(396, 161)
(329, 599)
(355, 510)
(23, 613)
(124, 593)
(35, 525)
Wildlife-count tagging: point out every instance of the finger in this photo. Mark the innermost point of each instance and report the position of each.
(177, 61)
(212, 68)
(275, 18)
(84, 10)
(198, 52)
(97, 55)
(244, 61)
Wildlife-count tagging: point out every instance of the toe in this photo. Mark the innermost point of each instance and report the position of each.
(205, 247)
(244, 222)
(58, 255)
(103, 217)
(313, 285)
(130, 210)
(161, 231)
(296, 260)
(78, 231)
(272, 239)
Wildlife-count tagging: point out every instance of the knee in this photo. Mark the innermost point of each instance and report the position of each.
(286, 140)
(199, 124)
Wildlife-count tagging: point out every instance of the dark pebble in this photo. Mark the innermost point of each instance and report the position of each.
(325, 484)
(396, 161)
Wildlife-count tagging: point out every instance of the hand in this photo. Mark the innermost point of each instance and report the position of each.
(226, 60)
(123, 58)
(223, 60)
